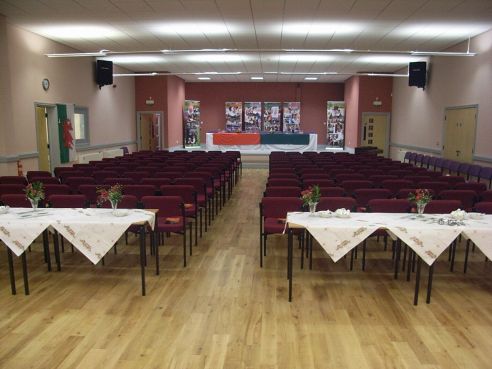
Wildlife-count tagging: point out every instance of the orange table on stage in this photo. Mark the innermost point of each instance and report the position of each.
(236, 139)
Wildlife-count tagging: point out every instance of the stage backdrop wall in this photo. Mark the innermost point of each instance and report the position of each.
(313, 97)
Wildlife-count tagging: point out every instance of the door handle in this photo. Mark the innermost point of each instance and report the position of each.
(458, 152)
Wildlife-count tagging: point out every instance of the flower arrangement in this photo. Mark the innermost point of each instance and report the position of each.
(420, 196)
(112, 194)
(311, 195)
(34, 191)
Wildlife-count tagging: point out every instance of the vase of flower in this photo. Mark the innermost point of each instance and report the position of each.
(311, 197)
(421, 197)
(113, 194)
(114, 204)
(34, 193)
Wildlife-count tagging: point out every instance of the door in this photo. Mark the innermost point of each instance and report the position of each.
(459, 133)
(42, 138)
(149, 130)
(375, 131)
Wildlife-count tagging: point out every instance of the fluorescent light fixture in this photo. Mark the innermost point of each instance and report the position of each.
(77, 32)
(441, 31)
(256, 78)
(215, 58)
(310, 78)
(216, 73)
(319, 28)
(305, 58)
(191, 28)
(152, 74)
(204, 78)
(386, 59)
(442, 53)
(140, 59)
(77, 55)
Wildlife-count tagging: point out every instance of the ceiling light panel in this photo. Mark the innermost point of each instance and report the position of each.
(138, 59)
(318, 28)
(386, 59)
(76, 32)
(191, 28)
(216, 58)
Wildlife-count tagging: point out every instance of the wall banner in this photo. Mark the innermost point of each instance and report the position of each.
(252, 116)
(292, 117)
(234, 116)
(271, 117)
(335, 124)
(191, 123)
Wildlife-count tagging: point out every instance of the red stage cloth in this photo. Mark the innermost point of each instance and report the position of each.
(236, 139)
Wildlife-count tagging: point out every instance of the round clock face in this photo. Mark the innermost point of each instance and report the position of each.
(46, 84)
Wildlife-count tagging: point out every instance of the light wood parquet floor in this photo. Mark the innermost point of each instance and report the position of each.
(224, 311)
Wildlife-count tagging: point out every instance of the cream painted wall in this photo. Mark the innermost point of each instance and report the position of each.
(111, 110)
(418, 115)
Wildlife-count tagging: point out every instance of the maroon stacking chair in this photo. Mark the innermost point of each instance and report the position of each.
(467, 197)
(308, 177)
(282, 191)
(349, 177)
(486, 173)
(136, 175)
(332, 191)
(484, 207)
(351, 185)
(101, 175)
(394, 185)
(67, 201)
(119, 180)
(203, 184)
(442, 206)
(36, 174)
(378, 178)
(335, 172)
(170, 218)
(364, 195)
(436, 186)
(56, 189)
(486, 196)
(15, 201)
(156, 182)
(13, 180)
(478, 187)
(45, 180)
(283, 175)
(283, 182)
(172, 175)
(273, 213)
(8, 189)
(418, 178)
(190, 201)
(451, 180)
(69, 173)
(400, 173)
(139, 190)
(333, 203)
(370, 172)
(75, 182)
(404, 193)
(90, 193)
(321, 182)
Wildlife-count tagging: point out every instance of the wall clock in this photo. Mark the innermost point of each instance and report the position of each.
(46, 84)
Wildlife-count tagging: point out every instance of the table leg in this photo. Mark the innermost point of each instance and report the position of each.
(24, 274)
(142, 257)
(397, 257)
(46, 247)
(411, 255)
(289, 264)
(57, 251)
(156, 249)
(11, 271)
(417, 282)
(429, 283)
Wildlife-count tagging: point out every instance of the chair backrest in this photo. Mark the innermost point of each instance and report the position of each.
(467, 197)
(7, 189)
(75, 182)
(13, 180)
(394, 185)
(139, 191)
(167, 206)
(442, 206)
(283, 182)
(452, 180)
(311, 176)
(36, 174)
(486, 173)
(349, 177)
(67, 201)
(45, 180)
(322, 182)
(282, 191)
(478, 187)
(119, 180)
(136, 175)
(278, 207)
(389, 206)
(436, 186)
(187, 192)
(15, 200)
(101, 175)
(165, 174)
(156, 182)
(364, 195)
(69, 173)
(484, 207)
(378, 178)
(486, 196)
(332, 191)
(403, 193)
(127, 202)
(56, 189)
(418, 178)
(464, 170)
(333, 203)
(90, 192)
(351, 185)
(474, 171)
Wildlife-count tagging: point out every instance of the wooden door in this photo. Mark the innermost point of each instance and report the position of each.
(375, 131)
(459, 133)
(42, 138)
(145, 132)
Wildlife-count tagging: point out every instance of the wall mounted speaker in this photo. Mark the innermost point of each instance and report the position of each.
(104, 72)
(417, 74)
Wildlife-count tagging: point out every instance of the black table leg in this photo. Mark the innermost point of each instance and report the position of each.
(289, 264)
(24, 273)
(397, 257)
(417, 282)
(57, 251)
(11, 271)
(429, 284)
(46, 247)
(156, 249)
(142, 257)
(411, 256)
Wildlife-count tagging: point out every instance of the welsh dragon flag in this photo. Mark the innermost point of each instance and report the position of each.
(66, 133)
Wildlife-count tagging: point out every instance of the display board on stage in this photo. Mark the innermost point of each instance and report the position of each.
(234, 116)
(292, 117)
(271, 117)
(252, 116)
(335, 124)
(191, 123)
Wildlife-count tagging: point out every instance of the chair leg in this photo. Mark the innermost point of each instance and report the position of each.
(264, 244)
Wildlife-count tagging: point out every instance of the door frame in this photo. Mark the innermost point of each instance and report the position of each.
(443, 131)
(52, 132)
(161, 126)
(388, 130)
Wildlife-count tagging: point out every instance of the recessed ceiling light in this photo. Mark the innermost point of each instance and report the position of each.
(77, 32)
(319, 29)
(204, 78)
(191, 28)
(305, 58)
(257, 78)
(311, 78)
(214, 58)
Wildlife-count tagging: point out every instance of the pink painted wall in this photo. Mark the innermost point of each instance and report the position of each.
(418, 115)
(313, 98)
(352, 112)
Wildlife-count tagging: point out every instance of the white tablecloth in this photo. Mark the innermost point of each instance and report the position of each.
(92, 231)
(422, 234)
(312, 146)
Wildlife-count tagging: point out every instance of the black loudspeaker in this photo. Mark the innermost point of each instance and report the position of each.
(104, 72)
(417, 74)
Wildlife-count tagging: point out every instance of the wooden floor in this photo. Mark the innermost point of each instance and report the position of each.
(224, 311)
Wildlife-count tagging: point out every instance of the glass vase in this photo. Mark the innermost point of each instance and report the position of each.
(34, 204)
(420, 208)
(312, 207)
(114, 204)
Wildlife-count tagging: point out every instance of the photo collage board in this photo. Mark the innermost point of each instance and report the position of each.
(265, 117)
(335, 124)
(191, 123)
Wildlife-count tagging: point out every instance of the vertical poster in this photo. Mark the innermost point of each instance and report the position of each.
(252, 116)
(271, 117)
(191, 123)
(335, 124)
(292, 117)
(234, 116)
